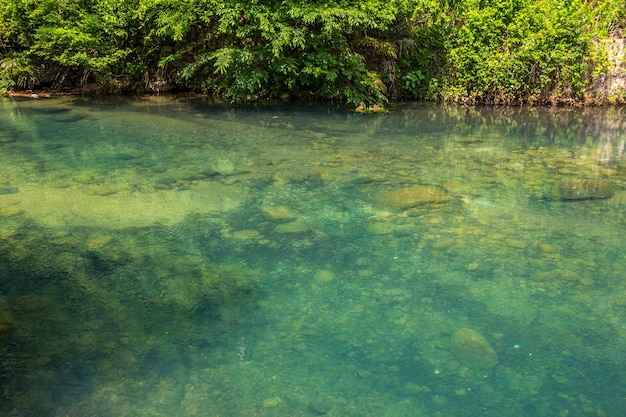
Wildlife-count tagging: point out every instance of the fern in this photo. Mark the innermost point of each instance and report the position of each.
(223, 59)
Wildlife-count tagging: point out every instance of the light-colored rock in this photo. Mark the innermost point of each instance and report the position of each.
(98, 240)
(246, 234)
(278, 213)
(58, 207)
(609, 86)
(324, 275)
(272, 402)
(472, 349)
(408, 197)
(224, 166)
(296, 226)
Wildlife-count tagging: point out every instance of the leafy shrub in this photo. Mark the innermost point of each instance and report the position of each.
(17, 70)
(367, 51)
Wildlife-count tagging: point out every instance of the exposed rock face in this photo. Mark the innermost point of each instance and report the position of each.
(584, 189)
(472, 349)
(408, 197)
(610, 85)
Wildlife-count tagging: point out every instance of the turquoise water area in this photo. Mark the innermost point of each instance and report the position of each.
(177, 257)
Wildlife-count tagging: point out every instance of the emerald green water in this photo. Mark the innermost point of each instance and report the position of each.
(180, 258)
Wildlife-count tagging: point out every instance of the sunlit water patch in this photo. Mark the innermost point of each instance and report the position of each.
(177, 257)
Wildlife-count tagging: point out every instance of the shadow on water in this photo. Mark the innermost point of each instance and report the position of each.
(70, 312)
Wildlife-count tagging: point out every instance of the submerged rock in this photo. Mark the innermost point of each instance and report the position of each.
(472, 349)
(584, 189)
(278, 213)
(408, 197)
(296, 226)
(324, 275)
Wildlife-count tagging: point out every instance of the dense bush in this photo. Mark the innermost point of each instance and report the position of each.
(508, 51)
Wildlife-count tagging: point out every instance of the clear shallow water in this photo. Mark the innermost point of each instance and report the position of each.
(175, 257)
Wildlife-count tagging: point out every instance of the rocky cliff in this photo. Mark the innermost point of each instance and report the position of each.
(609, 85)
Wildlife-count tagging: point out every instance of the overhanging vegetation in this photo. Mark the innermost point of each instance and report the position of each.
(359, 52)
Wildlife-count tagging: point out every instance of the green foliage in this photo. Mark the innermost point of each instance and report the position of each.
(17, 70)
(77, 47)
(294, 47)
(512, 51)
(367, 51)
(75, 37)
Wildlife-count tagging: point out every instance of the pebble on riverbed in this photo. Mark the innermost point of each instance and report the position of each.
(472, 349)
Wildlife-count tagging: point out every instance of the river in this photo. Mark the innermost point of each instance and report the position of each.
(181, 257)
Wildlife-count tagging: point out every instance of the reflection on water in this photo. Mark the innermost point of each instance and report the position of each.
(175, 257)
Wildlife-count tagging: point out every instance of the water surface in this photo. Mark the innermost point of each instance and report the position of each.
(177, 257)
